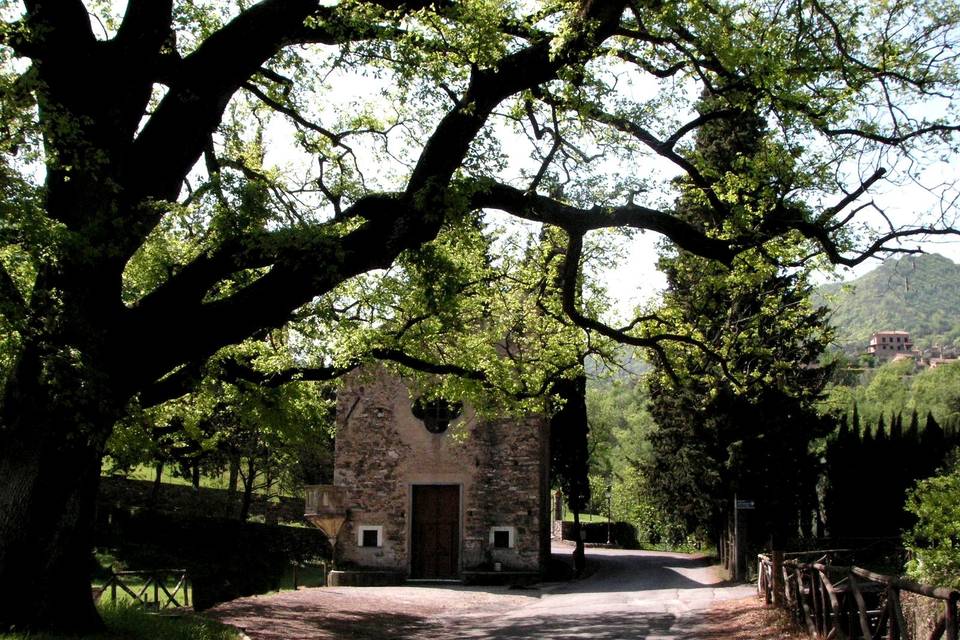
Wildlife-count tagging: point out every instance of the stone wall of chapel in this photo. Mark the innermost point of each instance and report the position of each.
(382, 450)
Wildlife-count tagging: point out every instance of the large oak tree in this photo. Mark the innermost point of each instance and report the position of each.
(122, 130)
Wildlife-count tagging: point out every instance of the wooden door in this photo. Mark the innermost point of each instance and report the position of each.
(435, 543)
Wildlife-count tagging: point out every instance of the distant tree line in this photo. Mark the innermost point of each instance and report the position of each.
(870, 468)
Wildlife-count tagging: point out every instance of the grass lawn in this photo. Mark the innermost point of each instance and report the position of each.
(135, 584)
(311, 575)
(143, 472)
(308, 575)
(584, 517)
(133, 623)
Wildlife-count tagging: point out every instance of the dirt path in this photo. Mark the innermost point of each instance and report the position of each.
(631, 594)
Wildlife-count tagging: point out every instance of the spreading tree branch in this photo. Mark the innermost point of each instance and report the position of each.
(570, 275)
(830, 212)
(145, 27)
(232, 370)
(538, 208)
(63, 21)
(302, 272)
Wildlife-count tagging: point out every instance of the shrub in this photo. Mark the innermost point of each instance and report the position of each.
(934, 541)
(224, 558)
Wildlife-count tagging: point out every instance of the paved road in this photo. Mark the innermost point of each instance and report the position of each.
(631, 594)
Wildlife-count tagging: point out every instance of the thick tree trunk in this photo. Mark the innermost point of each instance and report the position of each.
(232, 485)
(46, 537)
(579, 550)
(234, 475)
(57, 410)
(248, 480)
(195, 476)
(50, 452)
(157, 482)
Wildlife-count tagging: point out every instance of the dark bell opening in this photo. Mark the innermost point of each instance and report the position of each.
(436, 414)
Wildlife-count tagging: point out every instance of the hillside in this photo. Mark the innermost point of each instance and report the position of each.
(919, 294)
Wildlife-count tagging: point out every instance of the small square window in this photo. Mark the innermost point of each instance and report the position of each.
(370, 536)
(502, 537)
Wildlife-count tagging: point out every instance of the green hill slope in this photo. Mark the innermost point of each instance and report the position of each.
(919, 294)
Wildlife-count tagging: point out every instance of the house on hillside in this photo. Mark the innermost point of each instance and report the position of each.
(428, 490)
(887, 345)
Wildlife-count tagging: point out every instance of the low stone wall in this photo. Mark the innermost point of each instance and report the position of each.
(622, 534)
(556, 530)
(364, 578)
(501, 578)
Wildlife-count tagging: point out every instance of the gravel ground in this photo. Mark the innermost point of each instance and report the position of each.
(637, 595)
(746, 619)
(367, 613)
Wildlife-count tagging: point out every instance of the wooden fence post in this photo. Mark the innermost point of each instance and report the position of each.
(951, 617)
(778, 587)
(762, 587)
(721, 549)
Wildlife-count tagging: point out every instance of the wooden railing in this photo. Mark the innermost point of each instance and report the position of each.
(852, 603)
(150, 588)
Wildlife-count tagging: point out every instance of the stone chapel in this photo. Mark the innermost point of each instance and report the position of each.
(428, 490)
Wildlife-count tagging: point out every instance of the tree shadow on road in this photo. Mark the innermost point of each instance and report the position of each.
(269, 620)
(605, 626)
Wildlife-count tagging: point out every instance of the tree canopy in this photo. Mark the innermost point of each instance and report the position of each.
(178, 177)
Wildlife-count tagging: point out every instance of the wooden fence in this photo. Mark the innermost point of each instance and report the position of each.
(851, 603)
(153, 589)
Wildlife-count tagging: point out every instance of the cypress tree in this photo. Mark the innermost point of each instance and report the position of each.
(837, 498)
(843, 431)
(570, 456)
(868, 437)
(896, 429)
(756, 438)
(913, 431)
(880, 438)
(932, 446)
(911, 451)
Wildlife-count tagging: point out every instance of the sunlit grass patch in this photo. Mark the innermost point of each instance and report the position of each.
(126, 622)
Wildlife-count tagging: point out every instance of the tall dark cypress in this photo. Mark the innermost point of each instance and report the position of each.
(839, 486)
(932, 446)
(755, 440)
(896, 428)
(570, 455)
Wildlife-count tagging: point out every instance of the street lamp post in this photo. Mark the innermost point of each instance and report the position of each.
(609, 510)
